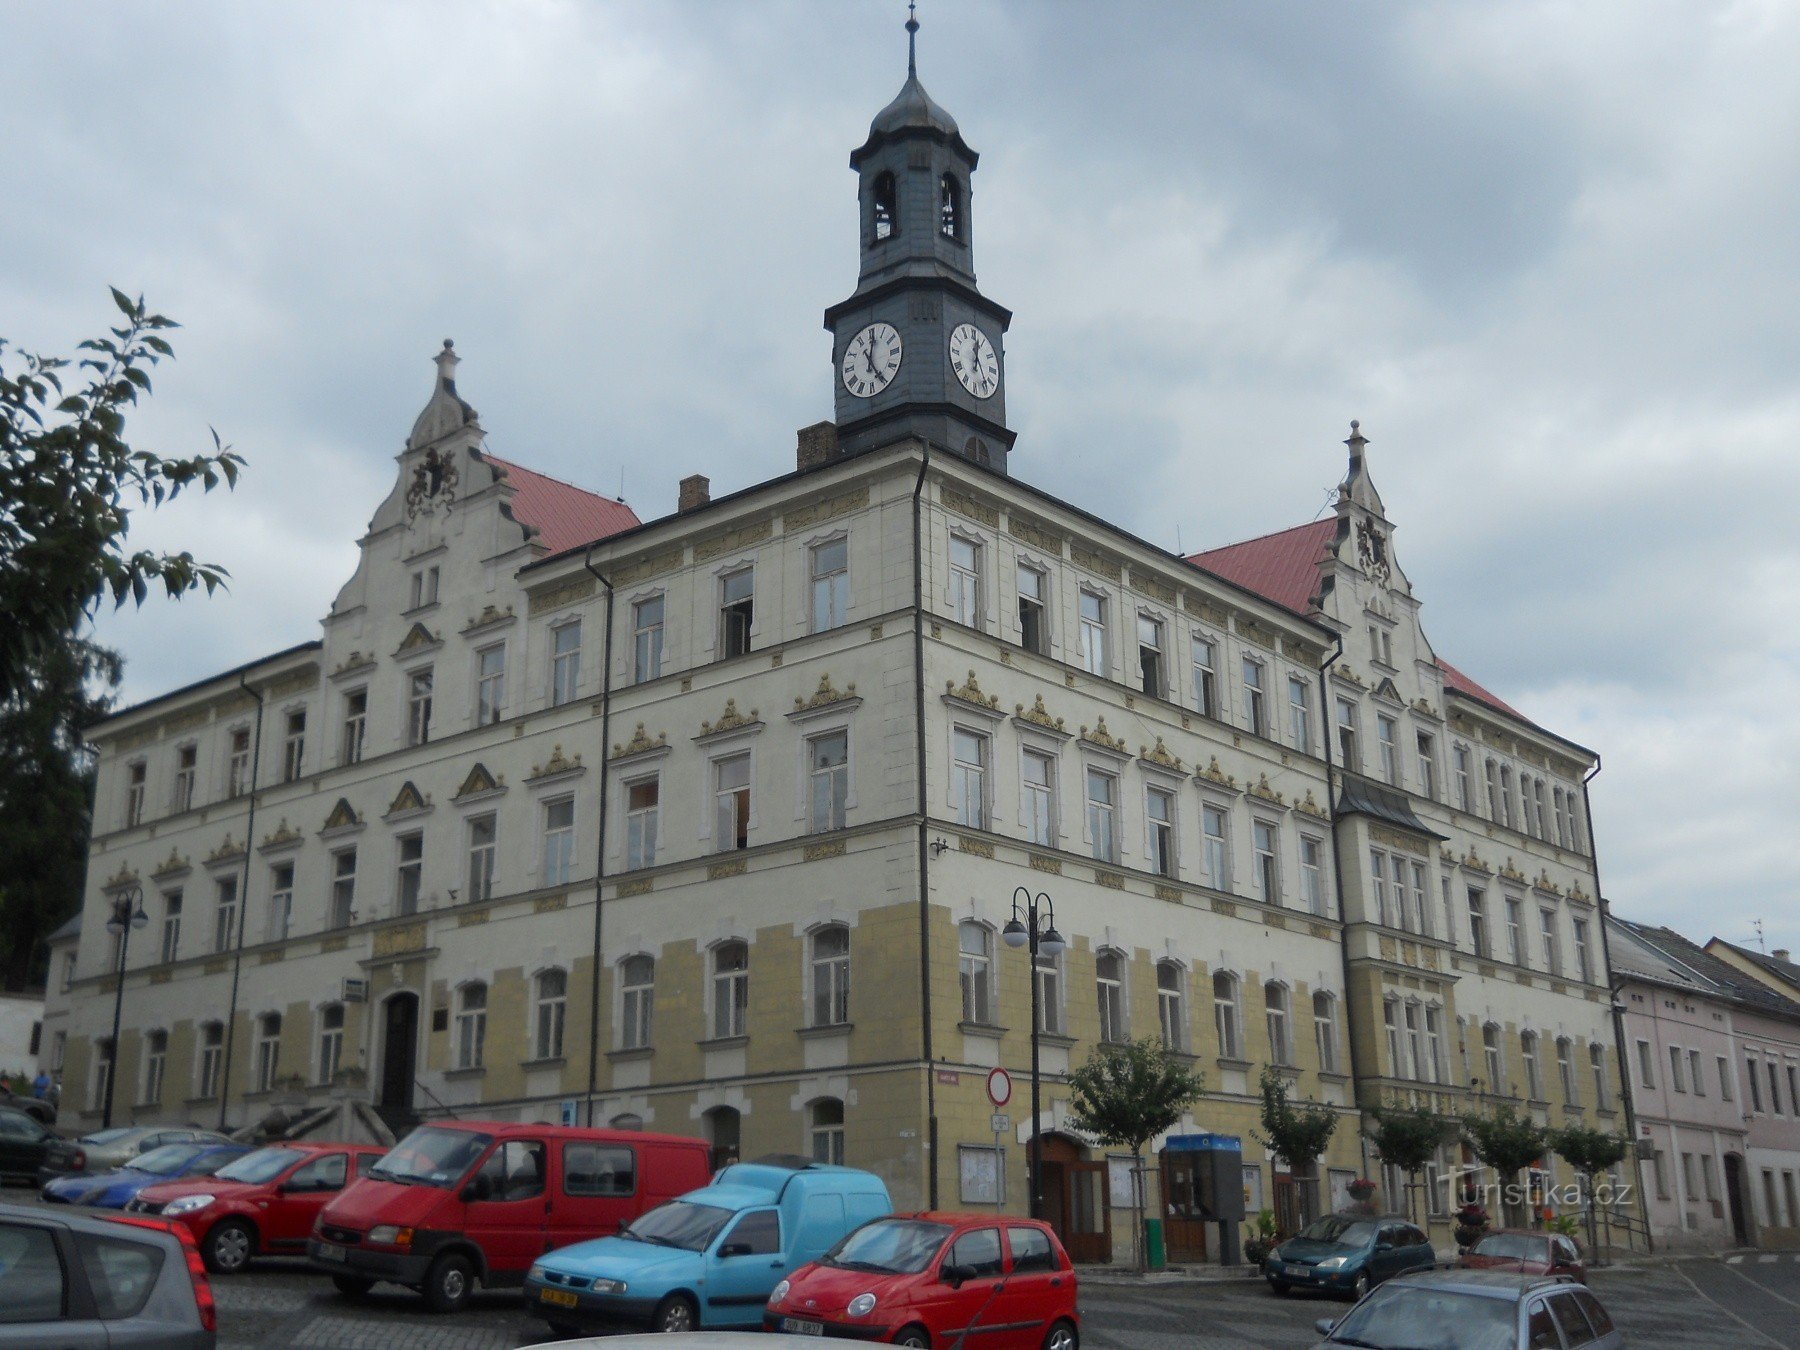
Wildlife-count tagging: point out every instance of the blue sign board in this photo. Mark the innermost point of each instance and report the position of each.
(1203, 1143)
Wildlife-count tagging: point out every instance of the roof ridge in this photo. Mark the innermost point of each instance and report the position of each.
(1258, 538)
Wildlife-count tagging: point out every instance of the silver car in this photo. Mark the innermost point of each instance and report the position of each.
(108, 1150)
(87, 1283)
(1475, 1310)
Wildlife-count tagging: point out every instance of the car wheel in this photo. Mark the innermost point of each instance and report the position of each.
(449, 1283)
(917, 1337)
(1361, 1288)
(1280, 1286)
(1063, 1336)
(352, 1286)
(675, 1313)
(228, 1247)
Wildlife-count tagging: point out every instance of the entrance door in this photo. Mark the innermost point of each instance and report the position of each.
(1734, 1197)
(1075, 1202)
(399, 1051)
(1184, 1221)
(1287, 1205)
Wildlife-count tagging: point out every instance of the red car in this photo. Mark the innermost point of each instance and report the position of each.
(1528, 1252)
(931, 1279)
(263, 1204)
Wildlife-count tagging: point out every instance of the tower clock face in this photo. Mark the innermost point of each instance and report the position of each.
(872, 360)
(973, 358)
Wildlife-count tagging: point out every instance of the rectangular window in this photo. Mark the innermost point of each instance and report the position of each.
(1552, 947)
(418, 708)
(1515, 932)
(1464, 786)
(1151, 669)
(559, 841)
(343, 888)
(1381, 645)
(1427, 747)
(484, 848)
(1268, 876)
(134, 793)
(490, 684)
(293, 746)
(830, 566)
(1434, 1045)
(1646, 1066)
(1537, 798)
(1584, 961)
(1034, 635)
(187, 761)
(1349, 756)
(565, 662)
(1206, 676)
(1677, 1081)
(1774, 1088)
(1325, 1032)
(471, 1026)
(1478, 934)
(641, 802)
(1312, 874)
(1506, 794)
(237, 769)
(1213, 837)
(968, 778)
(638, 988)
(965, 582)
(1256, 711)
(1102, 813)
(552, 1014)
(1695, 1077)
(1662, 1175)
(267, 1051)
(409, 872)
(1159, 809)
(831, 976)
(1724, 1067)
(356, 718)
(737, 611)
(975, 944)
(1493, 792)
(281, 901)
(731, 803)
(225, 914)
(331, 1041)
(1299, 715)
(1388, 745)
(1562, 822)
(828, 780)
(647, 638)
(424, 587)
(1093, 633)
(171, 926)
(1048, 974)
(1378, 886)
(1038, 787)
(1421, 915)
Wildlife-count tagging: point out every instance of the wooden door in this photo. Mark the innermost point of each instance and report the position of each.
(1076, 1202)
(1184, 1227)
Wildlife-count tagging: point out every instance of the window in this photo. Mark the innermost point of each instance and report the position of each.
(737, 611)
(490, 684)
(1381, 645)
(883, 213)
(1547, 934)
(331, 1041)
(1206, 676)
(103, 1068)
(830, 567)
(1560, 802)
(1646, 1065)
(1597, 1065)
(1109, 980)
(1312, 874)
(1506, 793)
(1478, 936)
(409, 872)
(1774, 1088)
(974, 968)
(471, 1025)
(32, 1283)
(1493, 792)
(1584, 963)
(187, 760)
(1325, 1031)
(1755, 1086)
(1515, 931)
(1348, 755)
(1159, 812)
(1256, 712)
(237, 768)
(831, 976)
(968, 778)
(565, 661)
(343, 888)
(1093, 632)
(418, 709)
(559, 841)
(293, 746)
(1707, 1186)
(1695, 1078)
(1225, 1015)
(484, 849)
(156, 1057)
(1267, 876)
(1543, 823)
(1494, 1058)
(281, 901)
(1299, 715)
(211, 1057)
(950, 207)
(171, 926)
(1387, 745)
(1421, 917)
(965, 582)
(1565, 1070)
(1723, 1066)
(267, 1051)
(641, 798)
(1378, 889)
(424, 587)
(134, 792)
(1102, 812)
(731, 989)
(1151, 668)
(1427, 749)
(1038, 792)
(1216, 859)
(1434, 1044)
(225, 914)
(731, 803)
(825, 1122)
(828, 779)
(1275, 1012)
(551, 1004)
(356, 719)
(637, 996)
(1464, 786)
(59, 1051)
(647, 637)
(1390, 1025)
(1034, 635)
(1171, 1016)
(1528, 1051)
(1047, 971)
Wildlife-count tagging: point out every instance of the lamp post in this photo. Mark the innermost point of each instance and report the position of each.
(1028, 933)
(127, 914)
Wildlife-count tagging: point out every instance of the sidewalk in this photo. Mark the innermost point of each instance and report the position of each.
(1127, 1277)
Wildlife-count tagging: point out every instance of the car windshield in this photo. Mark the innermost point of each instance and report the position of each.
(165, 1161)
(261, 1165)
(432, 1156)
(679, 1224)
(1341, 1230)
(107, 1136)
(897, 1247)
(1511, 1246)
(1408, 1317)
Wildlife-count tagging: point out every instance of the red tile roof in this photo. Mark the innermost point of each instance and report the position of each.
(1457, 682)
(564, 515)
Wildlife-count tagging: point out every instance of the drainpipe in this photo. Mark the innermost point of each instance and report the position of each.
(243, 903)
(593, 1082)
(925, 1049)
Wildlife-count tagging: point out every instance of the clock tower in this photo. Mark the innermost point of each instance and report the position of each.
(917, 350)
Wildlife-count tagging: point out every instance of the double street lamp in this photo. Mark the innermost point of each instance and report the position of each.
(127, 914)
(1042, 937)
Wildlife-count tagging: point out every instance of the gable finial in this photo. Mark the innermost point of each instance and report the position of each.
(447, 361)
(912, 39)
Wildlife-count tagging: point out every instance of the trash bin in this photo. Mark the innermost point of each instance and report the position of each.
(1155, 1254)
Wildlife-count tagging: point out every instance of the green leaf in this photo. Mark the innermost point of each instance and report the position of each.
(124, 303)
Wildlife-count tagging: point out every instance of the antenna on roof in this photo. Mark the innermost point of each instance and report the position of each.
(1761, 941)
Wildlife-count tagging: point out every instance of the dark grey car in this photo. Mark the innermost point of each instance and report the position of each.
(77, 1282)
(1476, 1310)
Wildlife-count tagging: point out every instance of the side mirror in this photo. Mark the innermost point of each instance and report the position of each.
(954, 1275)
(735, 1249)
(1323, 1326)
(481, 1188)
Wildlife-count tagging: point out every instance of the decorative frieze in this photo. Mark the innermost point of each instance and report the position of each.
(720, 870)
(636, 886)
(978, 848)
(406, 937)
(1170, 893)
(825, 848)
(471, 918)
(1205, 610)
(1400, 839)
(558, 594)
(293, 684)
(830, 508)
(1152, 586)
(548, 904)
(1041, 862)
(1252, 631)
(1113, 881)
(647, 569)
(1038, 536)
(732, 541)
(1097, 563)
(966, 505)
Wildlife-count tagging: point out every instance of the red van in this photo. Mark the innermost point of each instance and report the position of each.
(461, 1201)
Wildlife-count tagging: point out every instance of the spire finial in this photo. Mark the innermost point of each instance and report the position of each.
(912, 40)
(447, 362)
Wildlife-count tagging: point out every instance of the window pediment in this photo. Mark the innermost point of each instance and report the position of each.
(971, 696)
(489, 620)
(1036, 720)
(479, 785)
(640, 747)
(731, 723)
(342, 820)
(418, 638)
(408, 802)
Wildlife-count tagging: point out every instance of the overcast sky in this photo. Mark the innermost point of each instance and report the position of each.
(1546, 254)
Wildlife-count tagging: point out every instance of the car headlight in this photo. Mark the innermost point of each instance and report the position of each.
(388, 1235)
(1333, 1262)
(535, 1273)
(603, 1286)
(781, 1291)
(187, 1204)
(862, 1305)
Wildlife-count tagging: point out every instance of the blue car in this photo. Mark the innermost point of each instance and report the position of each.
(171, 1162)
(1348, 1254)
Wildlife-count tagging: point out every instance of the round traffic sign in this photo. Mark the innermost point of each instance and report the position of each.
(999, 1086)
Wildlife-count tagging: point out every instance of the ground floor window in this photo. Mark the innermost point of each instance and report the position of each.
(826, 1123)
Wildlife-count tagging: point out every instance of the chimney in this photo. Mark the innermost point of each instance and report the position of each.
(1781, 954)
(817, 444)
(696, 491)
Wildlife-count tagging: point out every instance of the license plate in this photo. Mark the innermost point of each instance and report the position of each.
(562, 1298)
(799, 1326)
(327, 1252)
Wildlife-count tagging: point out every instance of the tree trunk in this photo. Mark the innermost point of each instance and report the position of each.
(1137, 1194)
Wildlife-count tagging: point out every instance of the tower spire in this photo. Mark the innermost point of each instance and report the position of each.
(912, 40)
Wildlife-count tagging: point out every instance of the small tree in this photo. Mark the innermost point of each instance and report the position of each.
(1407, 1138)
(1298, 1134)
(1506, 1142)
(1589, 1152)
(1126, 1095)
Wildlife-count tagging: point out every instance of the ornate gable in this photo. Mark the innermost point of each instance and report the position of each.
(479, 780)
(418, 638)
(408, 799)
(343, 816)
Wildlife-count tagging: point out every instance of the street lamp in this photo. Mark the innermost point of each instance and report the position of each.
(127, 914)
(1027, 933)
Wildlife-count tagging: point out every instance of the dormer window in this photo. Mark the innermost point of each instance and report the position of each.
(886, 214)
(950, 208)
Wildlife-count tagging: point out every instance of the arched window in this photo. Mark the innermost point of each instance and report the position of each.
(1225, 1015)
(724, 1129)
(950, 207)
(825, 1121)
(975, 969)
(156, 1055)
(471, 1025)
(331, 1040)
(831, 976)
(552, 1002)
(1325, 1031)
(884, 208)
(1565, 1070)
(1275, 1011)
(637, 988)
(1534, 1078)
(1495, 1057)
(1109, 976)
(267, 1051)
(1171, 1015)
(1597, 1061)
(731, 989)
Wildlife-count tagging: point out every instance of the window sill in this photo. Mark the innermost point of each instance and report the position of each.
(630, 1054)
(547, 1062)
(198, 1101)
(1332, 1076)
(1227, 1062)
(825, 1032)
(992, 1030)
(473, 1071)
(1056, 1038)
(723, 1043)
